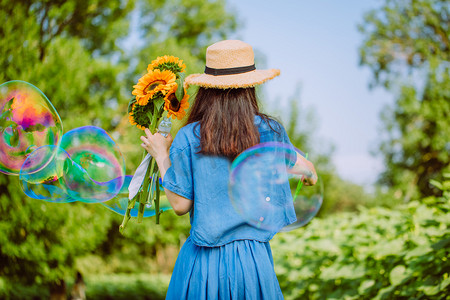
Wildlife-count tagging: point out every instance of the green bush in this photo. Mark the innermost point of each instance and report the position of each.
(22, 292)
(127, 286)
(377, 254)
(99, 287)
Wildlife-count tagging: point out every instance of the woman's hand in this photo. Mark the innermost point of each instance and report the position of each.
(156, 145)
(304, 168)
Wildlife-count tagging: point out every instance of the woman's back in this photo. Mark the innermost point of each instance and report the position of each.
(205, 179)
(224, 257)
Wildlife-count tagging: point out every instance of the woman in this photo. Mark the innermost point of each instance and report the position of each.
(224, 257)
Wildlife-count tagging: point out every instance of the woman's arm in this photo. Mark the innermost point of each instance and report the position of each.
(179, 204)
(304, 168)
(158, 147)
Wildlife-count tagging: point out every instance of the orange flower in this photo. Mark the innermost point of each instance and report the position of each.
(131, 119)
(138, 116)
(174, 107)
(151, 83)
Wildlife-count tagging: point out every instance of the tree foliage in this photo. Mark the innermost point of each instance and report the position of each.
(407, 48)
(72, 50)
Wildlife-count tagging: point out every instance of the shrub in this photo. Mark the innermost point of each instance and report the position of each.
(99, 287)
(377, 254)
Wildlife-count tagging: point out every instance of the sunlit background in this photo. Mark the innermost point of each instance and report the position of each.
(364, 89)
(315, 44)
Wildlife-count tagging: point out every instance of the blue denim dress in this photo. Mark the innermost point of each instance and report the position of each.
(224, 257)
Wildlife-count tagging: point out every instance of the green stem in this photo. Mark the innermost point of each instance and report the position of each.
(299, 184)
(143, 194)
(127, 215)
(152, 169)
(157, 198)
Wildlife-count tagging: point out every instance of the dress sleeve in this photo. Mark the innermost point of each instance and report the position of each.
(178, 178)
(291, 155)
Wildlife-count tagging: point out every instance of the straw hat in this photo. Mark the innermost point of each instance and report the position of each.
(230, 64)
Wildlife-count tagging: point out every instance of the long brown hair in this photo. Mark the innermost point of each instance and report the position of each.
(226, 119)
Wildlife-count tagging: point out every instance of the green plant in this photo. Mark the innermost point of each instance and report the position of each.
(378, 253)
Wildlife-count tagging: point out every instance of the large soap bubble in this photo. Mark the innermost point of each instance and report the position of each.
(263, 180)
(28, 120)
(120, 202)
(307, 201)
(88, 167)
(96, 169)
(40, 174)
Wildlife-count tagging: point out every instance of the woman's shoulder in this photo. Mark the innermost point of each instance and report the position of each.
(268, 124)
(186, 136)
(189, 130)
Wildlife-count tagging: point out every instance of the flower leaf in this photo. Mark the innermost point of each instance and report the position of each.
(158, 102)
(180, 90)
(130, 104)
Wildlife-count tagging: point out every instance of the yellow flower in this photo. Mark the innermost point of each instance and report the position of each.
(151, 83)
(174, 107)
(140, 127)
(167, 62)
(131, 119)
(138, 116)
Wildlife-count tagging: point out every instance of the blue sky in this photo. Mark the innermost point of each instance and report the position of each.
(315, 44)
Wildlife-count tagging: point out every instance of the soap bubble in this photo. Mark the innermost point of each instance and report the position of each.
(95, 171)
(307, 202)
(85, 164)
(28, 120)
(120, 202)
(263, 180)
(40, 174)
(88, 167)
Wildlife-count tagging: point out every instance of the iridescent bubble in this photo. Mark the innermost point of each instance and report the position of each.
(263, 180)
(96, 169)
(40, 174)
(28, 120)
(119, 204)
(307, 202)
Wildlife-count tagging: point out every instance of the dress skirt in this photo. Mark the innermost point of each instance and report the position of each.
(242, 269)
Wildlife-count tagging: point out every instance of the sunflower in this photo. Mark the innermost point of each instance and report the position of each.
(167, 62)
(138, 116)
(151, 83)
(174, 107)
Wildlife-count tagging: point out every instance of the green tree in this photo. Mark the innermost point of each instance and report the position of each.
(407, 48)
(48, 44)
(72, 51)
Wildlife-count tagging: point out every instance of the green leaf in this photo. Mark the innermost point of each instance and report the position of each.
(436, 183)
(430, 290)
(365, 285)
(418, 251)
(444, 283)
(441, 244)
(180, 89)
(384, 292)
(130, 104)
(158, 102)
(397, 275)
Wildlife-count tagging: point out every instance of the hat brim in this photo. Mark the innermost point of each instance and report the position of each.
(243, 80)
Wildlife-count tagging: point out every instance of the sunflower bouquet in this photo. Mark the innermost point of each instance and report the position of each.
(158, 95)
